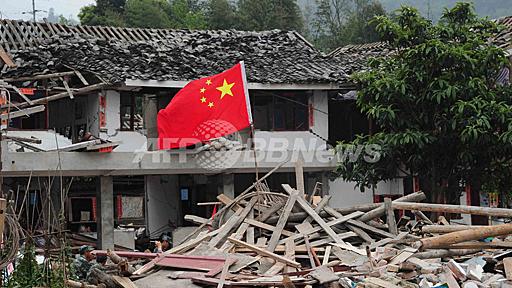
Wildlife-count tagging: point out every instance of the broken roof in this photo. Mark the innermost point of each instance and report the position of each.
(117, 54)
(355, 57)
(504, 38)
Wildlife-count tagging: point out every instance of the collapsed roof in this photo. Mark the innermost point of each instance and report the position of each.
(116, 54)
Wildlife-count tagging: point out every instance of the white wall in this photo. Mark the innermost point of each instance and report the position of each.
(345, 194)
(162, 203)
(130, 140)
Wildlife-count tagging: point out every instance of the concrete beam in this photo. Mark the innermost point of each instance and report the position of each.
(22, 164)
(105, 212)
(252, 86)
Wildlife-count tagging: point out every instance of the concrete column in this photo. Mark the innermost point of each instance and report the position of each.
(105, 212)
(150, 113)
(228, 185)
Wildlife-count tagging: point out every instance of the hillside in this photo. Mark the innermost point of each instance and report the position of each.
(491, 8)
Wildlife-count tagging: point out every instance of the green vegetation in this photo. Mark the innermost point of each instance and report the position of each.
(441, 115)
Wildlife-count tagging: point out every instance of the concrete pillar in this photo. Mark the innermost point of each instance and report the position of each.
(228, 185)
(150, 113)
(105, 212)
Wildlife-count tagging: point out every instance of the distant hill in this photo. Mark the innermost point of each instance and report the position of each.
(490, 8)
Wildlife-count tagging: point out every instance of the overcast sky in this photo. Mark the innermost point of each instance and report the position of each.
(13, 9)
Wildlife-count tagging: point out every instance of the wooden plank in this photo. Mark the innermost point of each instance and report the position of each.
(3, 206)
(239, 234)
(269, 212)
(23, 112)
(327, 254)
(370, 228)
(390, 216)
(238, 218)
(507, 265)
(330, 223)
(312, 262)
(319, 207)
(381, 283)
(381, 210)
(224, 230)
(404, 255)
(386, 241)
(363, 235)
(39, 77)
(125, 282)
(276, 235)
(81, 77)
(267, 226)
(224, 272)
(65, 82)
(299, 177)
(264, 252)
(307, 208)
(6, 58)
(16, 34)
(349, 247)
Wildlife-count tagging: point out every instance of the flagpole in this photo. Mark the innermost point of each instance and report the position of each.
(249, 112)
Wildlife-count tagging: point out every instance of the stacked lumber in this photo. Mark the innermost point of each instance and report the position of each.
(291, 239)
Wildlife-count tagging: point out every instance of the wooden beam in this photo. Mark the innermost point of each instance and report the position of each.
(6, 58)
(65, 94)
(299, 176)
(459, 209)
(264, 252)
(267, 226)
(3, 206)
(23, 112)
(390, 216)
(39, 77)
(464, 235)
(381, 210)
(276, 235)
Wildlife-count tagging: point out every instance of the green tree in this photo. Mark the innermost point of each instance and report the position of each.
(441, 114)
(147, 14)
(221, 14)
(342, 22)
(102, 13)
(270, 14)
(187, 14)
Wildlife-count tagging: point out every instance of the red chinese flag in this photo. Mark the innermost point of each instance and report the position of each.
(205, 109)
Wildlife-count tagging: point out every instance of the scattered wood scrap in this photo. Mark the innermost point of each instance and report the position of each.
(268, 239)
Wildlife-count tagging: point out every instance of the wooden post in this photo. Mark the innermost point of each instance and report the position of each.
(390, 213)
(3, 205)
(299, 177)
(464, 235)
(381, 210)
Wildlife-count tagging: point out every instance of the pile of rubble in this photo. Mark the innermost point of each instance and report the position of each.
(293, 239)
(270, 56)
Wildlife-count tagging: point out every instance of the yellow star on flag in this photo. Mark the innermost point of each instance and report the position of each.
(202, 90)
(208, 82)
(203, 100)
(225, 89)
(210, 104)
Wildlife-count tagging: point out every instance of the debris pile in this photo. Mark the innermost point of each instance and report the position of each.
(292, 239)
(270, 56)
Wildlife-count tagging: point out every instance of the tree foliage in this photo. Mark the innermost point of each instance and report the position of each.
(439, 111)
(342, 22)
(195, 14)
(270, 14)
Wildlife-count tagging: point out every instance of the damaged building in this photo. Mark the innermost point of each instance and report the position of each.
(80, 104)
